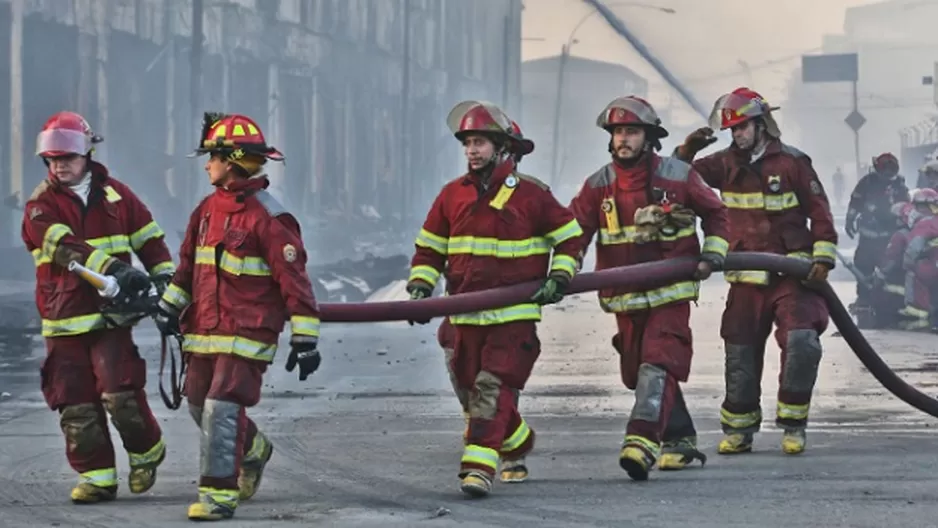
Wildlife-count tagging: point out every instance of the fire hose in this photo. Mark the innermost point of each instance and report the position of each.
(639, 277)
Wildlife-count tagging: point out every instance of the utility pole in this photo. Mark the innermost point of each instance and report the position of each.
(407, 185)
(16, 115)
(195, 81)
(558, 106)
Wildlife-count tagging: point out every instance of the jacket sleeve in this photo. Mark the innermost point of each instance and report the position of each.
(50, 239)
(147, 239)
(710, 168)
(714, 218)
(432, 245)
(585, 209)
(283, 250)
(814, 204)
(857, 198)
(178, 294)
(559, 226)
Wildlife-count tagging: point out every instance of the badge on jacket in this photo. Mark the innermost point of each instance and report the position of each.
(289, 253)
(775, 183)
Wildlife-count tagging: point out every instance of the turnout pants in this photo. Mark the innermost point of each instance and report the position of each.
(88, 377)
(219, 387)
(490, 365)
(801, 317)
(868, 254)
(655, 349)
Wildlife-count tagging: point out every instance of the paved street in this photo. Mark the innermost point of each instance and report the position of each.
(374, 440)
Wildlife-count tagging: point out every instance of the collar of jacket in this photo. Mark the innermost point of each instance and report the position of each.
(499, 173)
(231, 198)
(740, 157)
(636, 176)
(99, 177)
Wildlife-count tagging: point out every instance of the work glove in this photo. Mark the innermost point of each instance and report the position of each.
(551, 290)
(648, 223)
(850, 225)
(694, 143)
(709, 262)
(818, 273)
(681, 216)
(166, 319)
(131, 280)
(303, 352)
(417, 291)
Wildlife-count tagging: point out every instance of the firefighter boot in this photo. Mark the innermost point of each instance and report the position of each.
(679, 453)
(252, 467)
(514, 471)
(793, 441)
(143, 476)
(636, 461)
(735, 443)
(476, 484)
(87, 493)
(216, 505)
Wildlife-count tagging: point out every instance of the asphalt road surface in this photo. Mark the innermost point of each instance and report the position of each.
(374, 439)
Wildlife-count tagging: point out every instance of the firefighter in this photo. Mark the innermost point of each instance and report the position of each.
(888, 280)
(644, 208)
(920, 260)
(493, 227)
(512, 471)
(928, 176)
(771, 192)
(242, 272)
(869, 215)
(80, 213)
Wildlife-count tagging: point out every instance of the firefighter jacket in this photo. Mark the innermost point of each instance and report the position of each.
(59, 228)
(495, 235)
(606, 204)
(770, 201)
(890, 266)
(242, 274)
(872, 200)
(921, 253)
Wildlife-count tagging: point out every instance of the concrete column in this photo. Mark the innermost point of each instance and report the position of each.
(16, 112)
(274, 135)
(102, 32)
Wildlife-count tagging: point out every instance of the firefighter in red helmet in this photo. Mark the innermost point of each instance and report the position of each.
(776, 204)
(643, 208)
(79, 213)
(242, 273)
(493, 227)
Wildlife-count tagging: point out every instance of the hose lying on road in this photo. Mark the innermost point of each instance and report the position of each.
(638, 277)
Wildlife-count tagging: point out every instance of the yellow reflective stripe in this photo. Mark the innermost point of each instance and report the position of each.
(715, 244)
(150, 458)
(913, 311)
(40, 258)
(633, 301)
(102, 478)
(628, 235)
(825, 250)
(97, 260)
(493, 247)
(81, 324)
(167, 268)
(564, 263)
(518, 312)
(143, 235)
(427, 274)
(759, 278)
(563, 233)
(517, 438)
(112, 245)
(787, 411)
(305, 325)
(652, 447)
(111, 195)
(933, 242)
(225, 497)
(50, 240)
(239, 346)
(483, 456)
(769, 202)
(176, 297)
(897, 289)
(254, 266)
(431, 241)
(740, 421)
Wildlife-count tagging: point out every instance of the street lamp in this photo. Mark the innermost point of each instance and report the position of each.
(564, 56)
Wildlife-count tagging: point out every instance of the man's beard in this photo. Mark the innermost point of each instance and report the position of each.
(624, 152)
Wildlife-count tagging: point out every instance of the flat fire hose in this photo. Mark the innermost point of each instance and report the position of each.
(638, 277)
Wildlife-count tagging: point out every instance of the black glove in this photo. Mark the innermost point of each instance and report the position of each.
(304, 354)
(417, 291)
(551, 290)
(167, 320)
(131, 280)
(850, 225)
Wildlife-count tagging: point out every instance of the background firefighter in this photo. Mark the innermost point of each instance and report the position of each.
(644, 208)
(888, 280)
(242, 272)
(80, 213)
(771, 192)
(493, 227)
(920, 260)
(869, 214)
(512, 470)
(928, 176)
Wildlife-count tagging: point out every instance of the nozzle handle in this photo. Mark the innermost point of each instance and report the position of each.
(105, 284)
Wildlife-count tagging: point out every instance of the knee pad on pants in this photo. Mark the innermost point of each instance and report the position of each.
(483, 402)
(125, 412)
(83, 429)
(219, 446)
(802, 357)
(742, 378)
(649, 393)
